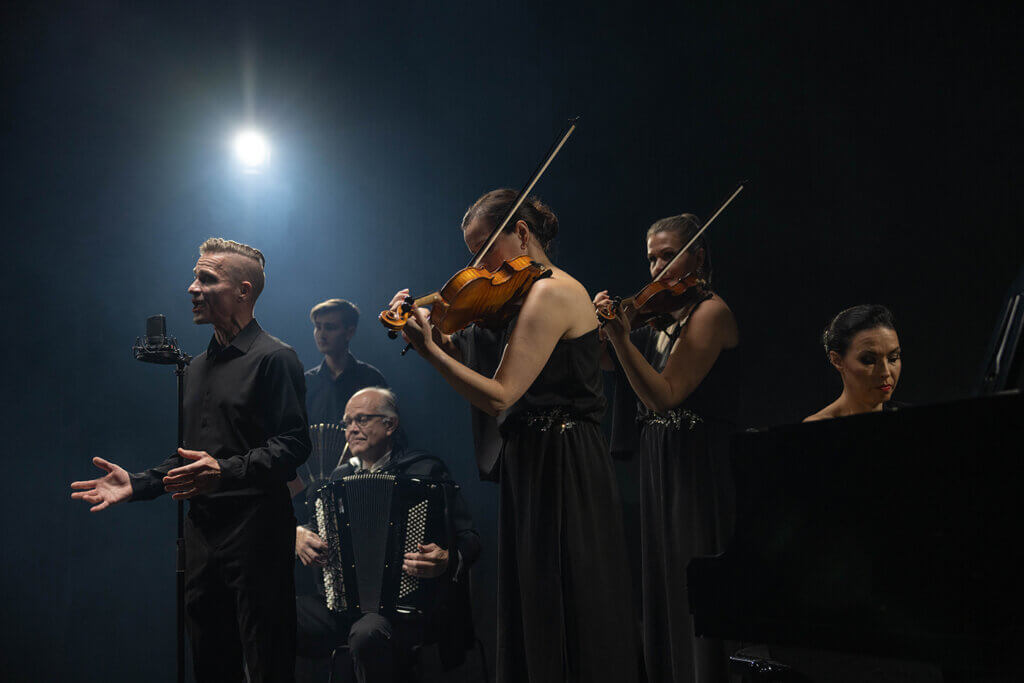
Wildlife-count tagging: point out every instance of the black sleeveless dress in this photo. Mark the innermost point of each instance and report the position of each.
(564, 602)
(687, 504)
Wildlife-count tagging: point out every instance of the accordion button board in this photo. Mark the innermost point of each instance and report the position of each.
(369, 521)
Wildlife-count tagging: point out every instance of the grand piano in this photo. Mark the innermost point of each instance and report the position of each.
(893, 535)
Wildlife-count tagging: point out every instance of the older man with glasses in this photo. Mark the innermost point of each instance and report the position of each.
(380, 649)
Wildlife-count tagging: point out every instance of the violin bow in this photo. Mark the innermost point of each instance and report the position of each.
(525, 191)
(553, 151)
(679, 255)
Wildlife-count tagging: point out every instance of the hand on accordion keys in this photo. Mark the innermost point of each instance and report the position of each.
(309, 546)
(431, 561)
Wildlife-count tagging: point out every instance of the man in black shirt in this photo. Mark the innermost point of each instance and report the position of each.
(376, 645)
(245, 433)
(331, 384)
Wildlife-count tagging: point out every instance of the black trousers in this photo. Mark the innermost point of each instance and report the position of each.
(379, 651)
(239, 590)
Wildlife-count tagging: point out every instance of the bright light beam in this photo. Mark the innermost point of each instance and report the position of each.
(252, 150)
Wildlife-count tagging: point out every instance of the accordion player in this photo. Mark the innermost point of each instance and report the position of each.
(369, 521)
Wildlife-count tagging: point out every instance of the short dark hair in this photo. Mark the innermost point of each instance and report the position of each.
(845, 326)
(348, 310)
(536, 214)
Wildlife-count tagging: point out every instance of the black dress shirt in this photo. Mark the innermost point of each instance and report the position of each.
(244, 405)
(327, 396)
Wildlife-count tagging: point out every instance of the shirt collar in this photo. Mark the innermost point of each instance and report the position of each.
(242, 342)
(377, 466)
(323, 369)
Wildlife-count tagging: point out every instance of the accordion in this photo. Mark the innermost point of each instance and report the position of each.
(369, 522)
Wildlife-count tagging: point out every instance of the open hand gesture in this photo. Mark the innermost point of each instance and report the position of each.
(196, 478)
(109, 490)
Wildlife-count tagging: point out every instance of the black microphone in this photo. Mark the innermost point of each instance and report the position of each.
(157, 347)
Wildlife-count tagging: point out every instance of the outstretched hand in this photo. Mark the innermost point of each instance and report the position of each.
(196, 478)
(429, 562)
(108, 490)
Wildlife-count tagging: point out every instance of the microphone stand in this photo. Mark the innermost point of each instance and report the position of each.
(179, 570)
(161, 349)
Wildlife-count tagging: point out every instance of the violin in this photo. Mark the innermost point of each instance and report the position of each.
(475, 294)
(655, 304)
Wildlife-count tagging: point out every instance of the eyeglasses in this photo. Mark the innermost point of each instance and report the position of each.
(361, 420)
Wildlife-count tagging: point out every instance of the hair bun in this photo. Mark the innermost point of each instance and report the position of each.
(494, 205)
(546, 228)
(840, 331)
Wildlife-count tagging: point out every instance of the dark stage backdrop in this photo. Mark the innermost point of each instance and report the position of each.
(880, 142)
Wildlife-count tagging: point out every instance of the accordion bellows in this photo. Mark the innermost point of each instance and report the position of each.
(369, 521)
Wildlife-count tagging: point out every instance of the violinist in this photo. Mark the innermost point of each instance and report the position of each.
(678, 417)
(862, 346)
(564, 610)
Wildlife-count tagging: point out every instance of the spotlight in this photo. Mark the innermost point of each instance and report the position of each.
(252, 150)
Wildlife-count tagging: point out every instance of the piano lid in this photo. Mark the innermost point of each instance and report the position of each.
(890, 533)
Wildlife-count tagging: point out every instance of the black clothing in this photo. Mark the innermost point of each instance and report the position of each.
(239, 595)
(686, 500)
(450, 625)
(481, 350)
(564, 607)
(244, 405)
(326, 397)
(418, 463)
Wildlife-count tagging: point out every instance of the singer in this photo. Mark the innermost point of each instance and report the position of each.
(245, 433)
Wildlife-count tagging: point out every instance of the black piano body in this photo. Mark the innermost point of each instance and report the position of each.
(893, 534)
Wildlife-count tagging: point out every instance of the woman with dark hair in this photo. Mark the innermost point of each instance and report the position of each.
(678, 417)
(862, 346)
(564, 607)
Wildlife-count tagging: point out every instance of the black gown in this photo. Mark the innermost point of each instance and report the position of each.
(686, 501)
(564, 602)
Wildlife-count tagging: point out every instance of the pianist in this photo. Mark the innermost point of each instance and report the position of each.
(379, 649)
(862, 346)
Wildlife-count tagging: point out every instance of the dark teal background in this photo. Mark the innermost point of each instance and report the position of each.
(881, 143)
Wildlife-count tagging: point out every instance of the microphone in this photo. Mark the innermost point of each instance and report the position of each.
(157, 347)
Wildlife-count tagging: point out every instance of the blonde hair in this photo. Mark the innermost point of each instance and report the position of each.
(251, 269)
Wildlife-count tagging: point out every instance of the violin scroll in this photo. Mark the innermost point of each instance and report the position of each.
(394, 321)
